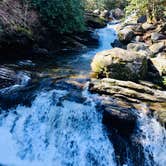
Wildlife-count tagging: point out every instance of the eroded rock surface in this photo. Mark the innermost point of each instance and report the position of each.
(120, 64)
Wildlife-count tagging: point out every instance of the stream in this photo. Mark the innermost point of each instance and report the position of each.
(55, 120)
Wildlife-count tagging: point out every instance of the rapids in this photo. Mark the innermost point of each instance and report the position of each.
(63, 127)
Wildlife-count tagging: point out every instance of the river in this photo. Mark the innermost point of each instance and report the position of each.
(60, 125)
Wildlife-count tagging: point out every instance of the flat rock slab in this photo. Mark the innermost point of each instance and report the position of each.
(133, 95)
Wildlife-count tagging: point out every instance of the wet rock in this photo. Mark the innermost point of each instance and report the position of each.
(120, 64)
(126, 35)
(12, 96)
(117, 43)
(130, 95)
(8, 77)
(26, 63)
(142, 19)
(159, 110)
(140, 47)
(121, 119)
(157, 36)
(157, 47)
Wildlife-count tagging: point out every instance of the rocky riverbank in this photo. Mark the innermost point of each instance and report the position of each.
(22, 33)
(134, 74)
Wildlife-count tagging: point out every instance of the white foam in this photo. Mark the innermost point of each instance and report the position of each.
(47, 134)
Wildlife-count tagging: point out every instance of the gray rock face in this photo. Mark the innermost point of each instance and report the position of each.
(157, 36)
(146, 26)
(120, 64)
(126, 35)
(140, 47)
(94, 21)
(157, 47)
(130, 95)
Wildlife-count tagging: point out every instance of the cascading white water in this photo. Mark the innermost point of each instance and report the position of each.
(52, 132)
(59, 132)
(153, 139)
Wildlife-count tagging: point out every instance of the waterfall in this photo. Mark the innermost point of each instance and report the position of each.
(153, 139)
(57, 131)
(54, 131)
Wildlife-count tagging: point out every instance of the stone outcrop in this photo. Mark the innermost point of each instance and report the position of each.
(94, 21)
(120, 64)
(132, 95)
(140, 47)
(158, 47)
(126, 35)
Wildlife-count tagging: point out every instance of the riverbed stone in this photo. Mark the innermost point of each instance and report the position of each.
(140, 47)
(8, 77)
(158, 47)
(157, 36)
(94, 21)
(131, 95)
(147, 26)
(126, 35)
(120, 64)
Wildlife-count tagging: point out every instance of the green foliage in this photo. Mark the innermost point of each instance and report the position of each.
(104, 4)
(64, 16)
(153, 8)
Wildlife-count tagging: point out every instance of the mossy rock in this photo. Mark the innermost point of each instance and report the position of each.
(120, 64)
(95, 21)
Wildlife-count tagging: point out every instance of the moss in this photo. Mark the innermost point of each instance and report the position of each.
(121, 72)
(164, 81)
(24, 30)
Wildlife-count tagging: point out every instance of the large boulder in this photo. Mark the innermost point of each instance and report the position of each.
(126, 35)
(120, 64)
(130, 95)
(94, 21)
(140, 47)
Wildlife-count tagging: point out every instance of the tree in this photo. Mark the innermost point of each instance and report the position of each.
(64, 16)
(104, 4)
(153, 8)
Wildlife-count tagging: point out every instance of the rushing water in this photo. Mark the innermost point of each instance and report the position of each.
(62, 126)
